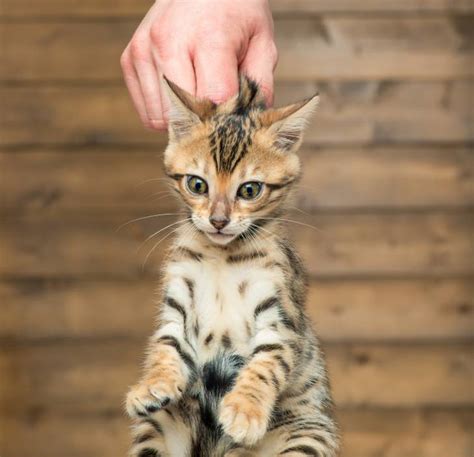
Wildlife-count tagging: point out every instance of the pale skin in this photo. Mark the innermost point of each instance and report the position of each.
(201, 45)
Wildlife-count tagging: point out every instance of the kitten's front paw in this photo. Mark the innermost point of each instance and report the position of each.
(148, 398)
(243, 418)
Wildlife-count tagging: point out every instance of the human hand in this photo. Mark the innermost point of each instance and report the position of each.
(201, 45)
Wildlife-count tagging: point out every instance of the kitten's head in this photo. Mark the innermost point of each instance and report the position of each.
(233, 164)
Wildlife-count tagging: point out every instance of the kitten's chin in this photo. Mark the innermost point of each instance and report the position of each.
(220, 238)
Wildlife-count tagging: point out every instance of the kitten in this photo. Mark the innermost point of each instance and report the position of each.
(234, 368)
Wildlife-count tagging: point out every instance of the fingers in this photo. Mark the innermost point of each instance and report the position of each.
(150, 87)
(180, 71)
(216, 73)
(142, 81)
(133, 85)
(259, 64)
(141, 76)
(204, 60)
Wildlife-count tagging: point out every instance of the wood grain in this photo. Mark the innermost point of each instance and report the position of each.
(392, 310)
(338, 47)
(328, 47)
(369, 6)
(370, 433)
(344, 244)
(350, 112)
(367, 433)
(93, 376)
(121, 8)
(109, 178)
(342, 310)
(406, 433)
(388, 182)
(53, 435)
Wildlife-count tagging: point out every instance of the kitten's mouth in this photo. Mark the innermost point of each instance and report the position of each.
(220, 238)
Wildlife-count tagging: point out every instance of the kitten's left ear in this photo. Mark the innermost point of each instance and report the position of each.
(186, 111)
(287, 124)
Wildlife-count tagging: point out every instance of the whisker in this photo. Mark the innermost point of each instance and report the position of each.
(151, 180)
(157, 244)
(148, 217)
(157, 199)
(162, 230)
(161, 192)
(293, 222)
(247, 235)
(299, 210)
(191, 232)
(257, 240)
(251, 238)
(263, 228)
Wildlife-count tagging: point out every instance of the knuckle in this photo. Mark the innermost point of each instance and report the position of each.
(214, 39)
(273, 52)
(125, 61)
(148, 124)
(160, 41)
(139, 49)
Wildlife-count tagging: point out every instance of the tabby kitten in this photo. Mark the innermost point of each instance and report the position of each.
(234, 368)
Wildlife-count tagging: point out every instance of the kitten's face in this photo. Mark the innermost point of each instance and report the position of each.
(233, 168)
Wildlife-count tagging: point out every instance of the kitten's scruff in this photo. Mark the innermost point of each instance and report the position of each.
(234, 368)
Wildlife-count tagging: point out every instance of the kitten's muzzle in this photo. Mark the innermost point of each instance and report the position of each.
(219, 222)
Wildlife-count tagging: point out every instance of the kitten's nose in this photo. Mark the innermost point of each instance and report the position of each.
(219, 222)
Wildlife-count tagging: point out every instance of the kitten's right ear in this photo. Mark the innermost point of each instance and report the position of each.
(186, 111)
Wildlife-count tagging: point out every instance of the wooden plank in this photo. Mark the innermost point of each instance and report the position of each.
(387, 244)
(389, 177)
(369, 6)
(342, 310)
(344, 244)
(123, 8)
(75, 115)
(80, 376)
(334, 178)
(401, 375)
(53, 435)
(393, 433)
(88, 178)
(396, 309)
(370, 433)
(355, 112)
(364, 47)
(329, 47)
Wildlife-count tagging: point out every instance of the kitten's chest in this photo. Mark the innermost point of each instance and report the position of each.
(223, 298)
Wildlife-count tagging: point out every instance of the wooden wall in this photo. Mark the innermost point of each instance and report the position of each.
(389, 183)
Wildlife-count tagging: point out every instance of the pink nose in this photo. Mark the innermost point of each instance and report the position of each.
(219, 222)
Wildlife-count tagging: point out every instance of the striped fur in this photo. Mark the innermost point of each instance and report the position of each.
(234, 368)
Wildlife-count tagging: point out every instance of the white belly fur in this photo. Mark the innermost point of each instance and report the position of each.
(218, 306)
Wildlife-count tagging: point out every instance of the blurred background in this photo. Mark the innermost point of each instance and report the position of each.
(389, 182)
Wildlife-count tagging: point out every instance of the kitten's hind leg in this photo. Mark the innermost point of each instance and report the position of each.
(148, 439)
(163, 434)
(240, 452)
(311, 440)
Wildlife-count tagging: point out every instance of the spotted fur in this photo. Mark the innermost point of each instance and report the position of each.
(234, 368)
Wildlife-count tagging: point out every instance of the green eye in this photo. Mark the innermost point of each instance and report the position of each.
(196, 185)
(250, 190)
